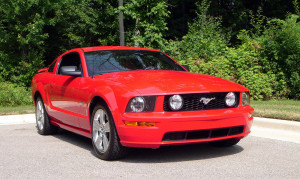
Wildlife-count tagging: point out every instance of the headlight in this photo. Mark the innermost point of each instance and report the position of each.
(137, 104)
(141, 104)
(230, 99)
(175, 102)
(245, 98)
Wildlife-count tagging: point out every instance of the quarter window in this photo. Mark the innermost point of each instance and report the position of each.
(51, 67)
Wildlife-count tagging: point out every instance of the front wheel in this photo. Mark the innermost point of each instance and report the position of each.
(43, 125)
(225, 143)
(104, 135)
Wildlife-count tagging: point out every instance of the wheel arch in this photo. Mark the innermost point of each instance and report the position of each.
(95, 100)
(111, 104)
(36, 95)
(39, 92)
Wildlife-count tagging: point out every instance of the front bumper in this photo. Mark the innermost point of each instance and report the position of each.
(166, 122)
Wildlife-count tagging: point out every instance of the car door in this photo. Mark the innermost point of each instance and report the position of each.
(66, 93)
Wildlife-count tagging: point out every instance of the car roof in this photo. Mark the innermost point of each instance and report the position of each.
(87, 49)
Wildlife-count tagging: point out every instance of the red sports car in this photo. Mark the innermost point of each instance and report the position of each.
(123, 97)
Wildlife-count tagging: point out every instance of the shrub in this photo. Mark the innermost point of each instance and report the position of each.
(281, 47)
(205, 38)
(13, 95)
(267, 61)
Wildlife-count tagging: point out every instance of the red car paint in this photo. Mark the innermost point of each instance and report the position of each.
(67, 101)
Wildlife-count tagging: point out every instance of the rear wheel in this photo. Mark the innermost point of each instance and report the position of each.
(43, 124)
(225, 143)
(105, 139)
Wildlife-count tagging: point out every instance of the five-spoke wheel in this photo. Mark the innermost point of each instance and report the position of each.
(105, 139)
(43, 124)
(101, 130)
(40, 117)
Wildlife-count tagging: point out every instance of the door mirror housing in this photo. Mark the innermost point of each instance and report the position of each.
(42, 70)
(70, 71)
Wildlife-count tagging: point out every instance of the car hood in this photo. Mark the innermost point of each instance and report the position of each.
(154, 82)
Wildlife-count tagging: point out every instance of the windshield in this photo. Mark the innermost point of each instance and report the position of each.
(107, 61)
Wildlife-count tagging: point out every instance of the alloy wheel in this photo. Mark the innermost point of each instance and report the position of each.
(40, 117)
(101, 130)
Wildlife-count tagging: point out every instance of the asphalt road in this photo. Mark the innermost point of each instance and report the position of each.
(25, 154)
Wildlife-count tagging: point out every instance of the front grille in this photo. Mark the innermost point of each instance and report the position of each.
(203, 134)
(191, 102)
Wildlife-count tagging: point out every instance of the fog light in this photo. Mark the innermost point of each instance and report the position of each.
(230, 99)
(175, 102)
(249, 116)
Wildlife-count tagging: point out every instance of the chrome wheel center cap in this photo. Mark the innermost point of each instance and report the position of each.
(101, 130)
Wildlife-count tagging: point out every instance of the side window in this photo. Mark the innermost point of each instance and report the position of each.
(70, 59)
(51, 67)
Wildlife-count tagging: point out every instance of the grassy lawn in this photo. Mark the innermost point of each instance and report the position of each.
(281, 109)
(17, 110)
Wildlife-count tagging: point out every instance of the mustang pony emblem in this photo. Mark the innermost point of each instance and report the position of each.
(205, 101)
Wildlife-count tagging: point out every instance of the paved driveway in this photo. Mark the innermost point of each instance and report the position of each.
(25, 154)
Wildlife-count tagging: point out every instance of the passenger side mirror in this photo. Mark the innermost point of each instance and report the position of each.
(70, 70)
(186, 67)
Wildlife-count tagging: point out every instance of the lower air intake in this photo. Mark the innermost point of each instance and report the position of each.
(203, 134)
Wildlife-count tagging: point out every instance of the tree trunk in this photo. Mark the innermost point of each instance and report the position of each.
(121, 25)
(137, 33)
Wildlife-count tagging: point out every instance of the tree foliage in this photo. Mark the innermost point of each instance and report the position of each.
(150, 22)
(36, 31)
(254, 43)
(266, 60)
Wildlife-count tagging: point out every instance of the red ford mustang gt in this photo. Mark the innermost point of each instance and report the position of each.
(123, 97)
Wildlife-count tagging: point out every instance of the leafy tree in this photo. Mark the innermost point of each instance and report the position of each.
(281, 47)
(22, 39)
(80, 23)
(150, 22)
(36, 31)
(204, 41)
(205, 38)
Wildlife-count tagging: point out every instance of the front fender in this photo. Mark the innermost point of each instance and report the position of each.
(37, 86)
(116, 96)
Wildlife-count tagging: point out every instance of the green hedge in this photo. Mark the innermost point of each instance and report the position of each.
(267, 60)
(13, 95)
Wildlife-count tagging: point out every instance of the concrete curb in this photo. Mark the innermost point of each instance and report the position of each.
(17, 119)
(276, 129)
(276, 124)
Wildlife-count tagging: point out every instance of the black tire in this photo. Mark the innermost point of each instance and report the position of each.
(114, 150)
(43, 125)
(225, 143)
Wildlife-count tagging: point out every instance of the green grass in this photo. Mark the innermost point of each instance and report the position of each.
(17, 110)
(281, 109)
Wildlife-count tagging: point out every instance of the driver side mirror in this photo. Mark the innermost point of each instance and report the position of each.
(70, 71)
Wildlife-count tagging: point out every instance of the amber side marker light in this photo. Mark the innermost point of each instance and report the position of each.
(132, 123)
